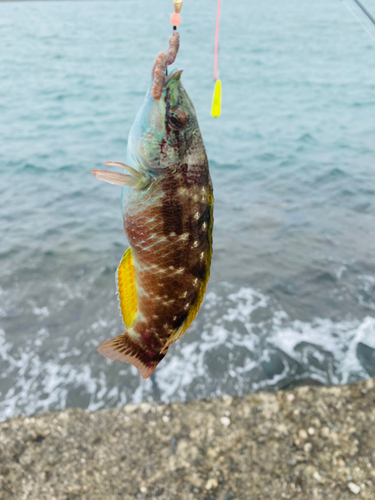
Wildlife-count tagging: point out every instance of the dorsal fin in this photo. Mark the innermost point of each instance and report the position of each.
(127, 293)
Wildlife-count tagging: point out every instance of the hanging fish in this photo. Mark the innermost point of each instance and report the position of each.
(167, 208)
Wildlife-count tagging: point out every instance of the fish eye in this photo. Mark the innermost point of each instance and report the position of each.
(177, 119)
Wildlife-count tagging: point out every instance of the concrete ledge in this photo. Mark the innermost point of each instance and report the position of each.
(309, 443)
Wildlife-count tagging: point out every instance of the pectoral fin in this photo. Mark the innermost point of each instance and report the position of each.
(115, 178)
(133, 179)
(131, 170)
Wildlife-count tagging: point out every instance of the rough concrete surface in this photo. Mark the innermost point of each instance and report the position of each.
(309, 443)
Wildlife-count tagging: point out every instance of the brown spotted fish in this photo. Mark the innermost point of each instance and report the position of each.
(167, 208)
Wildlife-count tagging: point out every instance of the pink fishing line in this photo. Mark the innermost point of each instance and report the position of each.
(217, 39)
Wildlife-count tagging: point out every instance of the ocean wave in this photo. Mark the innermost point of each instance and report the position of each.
(241, 342)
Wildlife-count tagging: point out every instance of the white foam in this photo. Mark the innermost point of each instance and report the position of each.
(225, 351)
(42, 312)
(324, 338)
(338, 339)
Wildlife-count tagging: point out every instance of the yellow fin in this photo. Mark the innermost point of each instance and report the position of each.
(216, 101)
(127, 293)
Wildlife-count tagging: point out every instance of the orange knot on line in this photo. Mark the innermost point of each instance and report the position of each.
(163, 60)
(175, 19)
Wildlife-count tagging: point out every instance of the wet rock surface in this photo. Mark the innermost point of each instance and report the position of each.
(309, 443)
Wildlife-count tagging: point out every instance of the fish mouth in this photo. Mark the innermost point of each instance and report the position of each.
(175, 75)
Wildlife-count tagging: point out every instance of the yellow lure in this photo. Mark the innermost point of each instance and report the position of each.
(216, 101)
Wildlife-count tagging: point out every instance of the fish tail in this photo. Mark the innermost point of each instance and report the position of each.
(125, 348)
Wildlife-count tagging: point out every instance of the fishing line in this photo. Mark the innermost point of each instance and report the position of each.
(217, 39)
(175, 19)
(216, 101)
(372, 18)
(360, 22)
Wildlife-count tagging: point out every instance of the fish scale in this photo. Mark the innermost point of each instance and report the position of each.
(168, 219)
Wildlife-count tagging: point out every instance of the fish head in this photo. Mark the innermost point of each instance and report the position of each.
(164, 129)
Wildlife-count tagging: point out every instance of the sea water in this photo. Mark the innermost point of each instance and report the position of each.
(292, 289)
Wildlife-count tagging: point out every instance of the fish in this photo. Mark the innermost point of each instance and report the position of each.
(167, 208)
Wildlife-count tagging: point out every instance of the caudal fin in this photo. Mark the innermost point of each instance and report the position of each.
(124, 348)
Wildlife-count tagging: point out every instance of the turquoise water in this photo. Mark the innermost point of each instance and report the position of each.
(291, 297)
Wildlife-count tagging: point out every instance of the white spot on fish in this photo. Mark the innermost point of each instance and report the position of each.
(202, 255)
(196, 216)
(195, 244)
(187, 306)
(204, 226)
(172, 234)
(141, 317)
